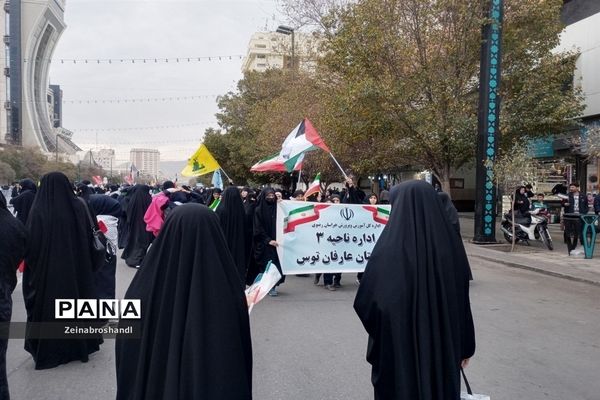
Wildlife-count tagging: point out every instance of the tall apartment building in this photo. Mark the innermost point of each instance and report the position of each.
(274, 50)
(105, 158)
(146, 161)
(31, 32)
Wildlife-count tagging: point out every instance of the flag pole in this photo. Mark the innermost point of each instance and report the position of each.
(227, 176)
(299, 176)
(338, 164)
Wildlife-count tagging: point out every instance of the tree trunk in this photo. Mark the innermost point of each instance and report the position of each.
(444, 178)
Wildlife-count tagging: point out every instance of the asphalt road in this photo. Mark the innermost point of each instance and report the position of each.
(537, 338)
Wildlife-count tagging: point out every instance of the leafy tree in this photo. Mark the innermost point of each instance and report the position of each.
(403, 76)
(7, 174)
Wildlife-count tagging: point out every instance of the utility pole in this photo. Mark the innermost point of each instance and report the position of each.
(487, 130)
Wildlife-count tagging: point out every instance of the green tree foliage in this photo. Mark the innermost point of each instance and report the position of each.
(407, 74)
(32, 163)
(7, 173)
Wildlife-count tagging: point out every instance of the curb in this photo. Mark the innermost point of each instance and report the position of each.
(535, 269)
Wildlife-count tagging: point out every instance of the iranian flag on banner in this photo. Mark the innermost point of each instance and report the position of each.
(380, 215)
(302, 215)
(314, 187)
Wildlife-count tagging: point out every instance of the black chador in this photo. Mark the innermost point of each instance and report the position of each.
(264, 230)
(22, 203)
(12, 251)
(195, 332)
(58, 266)
(138, 237)
(413, 301)
(233, 222)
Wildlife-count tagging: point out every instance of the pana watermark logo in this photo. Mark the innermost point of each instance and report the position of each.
(97, 309)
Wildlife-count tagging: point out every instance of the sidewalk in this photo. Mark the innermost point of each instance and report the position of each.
(535, 257)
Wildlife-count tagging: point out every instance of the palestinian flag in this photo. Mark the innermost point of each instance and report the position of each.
(303, 138)
(380, 215)
(277, 163)
(314, 187)
(302, 215)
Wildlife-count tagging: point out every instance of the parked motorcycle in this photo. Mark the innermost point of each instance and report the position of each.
(532, 227)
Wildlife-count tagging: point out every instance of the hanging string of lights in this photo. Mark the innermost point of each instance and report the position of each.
(143, 128)
(146, 60)
(162, 99)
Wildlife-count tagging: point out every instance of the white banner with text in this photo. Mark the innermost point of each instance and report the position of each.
(326, 237)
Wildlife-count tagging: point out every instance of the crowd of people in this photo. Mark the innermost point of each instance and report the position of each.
(196, 250)
(573, 203)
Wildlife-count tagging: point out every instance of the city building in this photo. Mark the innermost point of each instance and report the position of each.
(146, 161)
(105, 158)
(561, 161)
(31, 33)
(274, 50)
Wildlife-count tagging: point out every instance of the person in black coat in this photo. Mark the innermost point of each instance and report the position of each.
(12, 250)
(522, 204)
(22, 203)
(576, 205)
(413, 301)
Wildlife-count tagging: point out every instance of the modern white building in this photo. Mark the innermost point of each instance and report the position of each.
(274, 50)
(146, 161)
(105, 158)
(32, 30)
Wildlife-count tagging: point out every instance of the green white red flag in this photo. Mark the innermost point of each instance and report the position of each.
(315, 186)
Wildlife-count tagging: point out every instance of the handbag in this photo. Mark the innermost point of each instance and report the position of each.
(101, 252)
(469, 395)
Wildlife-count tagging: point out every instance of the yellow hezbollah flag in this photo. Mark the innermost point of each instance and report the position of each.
(202, 162)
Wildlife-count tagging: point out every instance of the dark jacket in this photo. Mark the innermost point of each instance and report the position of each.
(597, 204)
(583, 204)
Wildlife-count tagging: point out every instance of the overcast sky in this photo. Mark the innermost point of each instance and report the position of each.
(102, 29)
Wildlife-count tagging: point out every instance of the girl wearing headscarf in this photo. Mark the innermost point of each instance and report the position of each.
(252, 268)
(58, 266)
(139, 238)
(195, 332)
(233, 222)
(265, 246)
(413, 301)
(22, 203)
(12, 251)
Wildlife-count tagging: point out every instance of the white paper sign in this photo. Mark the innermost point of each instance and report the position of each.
(326, 237)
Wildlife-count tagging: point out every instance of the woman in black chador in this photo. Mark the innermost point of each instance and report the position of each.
(12, 251)
(233, 222)
(413, 301)
(22, 203)
(195, 333)
(265, 246)
(138, 237)
(58, 265)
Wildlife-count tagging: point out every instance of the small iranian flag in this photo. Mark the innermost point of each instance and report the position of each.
(380, 215)
(314, 187)
(302, 215)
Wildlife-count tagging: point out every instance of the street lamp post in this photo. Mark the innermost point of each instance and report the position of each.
(286, 30)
